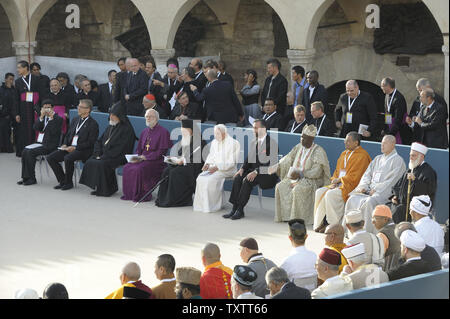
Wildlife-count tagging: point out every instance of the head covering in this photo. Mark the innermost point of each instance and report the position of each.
(187, 124)
(382, 211)
(55, 291)
(297, 227)
(48, 101)
(419, 148)
(353, 251)
(353, 217)
(249, 243)
(330, 256)
(119, 111)
(173, 66)
(150, 97)
(188, 275)
(412, 240)
(244, 275)
(310, 130)
(26, 294)
(421, 204)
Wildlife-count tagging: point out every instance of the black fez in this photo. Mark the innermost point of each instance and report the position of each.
(187, 124)
(297, 227)
(244, 275)
(55, 291)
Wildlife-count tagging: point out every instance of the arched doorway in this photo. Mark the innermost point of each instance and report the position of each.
(6, 36)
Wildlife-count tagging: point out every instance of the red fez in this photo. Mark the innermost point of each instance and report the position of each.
(150, 97)
(330, 256)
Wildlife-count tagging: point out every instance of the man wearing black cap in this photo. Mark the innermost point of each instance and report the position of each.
(256, 261)
(242, 281)
(55, 291)
(49, 127)
(109, 153)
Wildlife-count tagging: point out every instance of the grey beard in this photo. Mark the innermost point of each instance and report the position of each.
(113, 123)
(151, 124)
(186, 140)
(413, 164)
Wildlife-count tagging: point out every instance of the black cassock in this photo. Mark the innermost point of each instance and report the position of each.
(424, 184)
(111, 147)
(180, 183)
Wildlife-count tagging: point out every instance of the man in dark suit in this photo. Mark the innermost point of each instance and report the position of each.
(275, 86)
(199, 79)
(170, 87)
(78, 145)
(106, 92)
(324, 125)
(87, 93)
(299, 122)
(48, 125)
(273, 119)
(135, 89)
(221, 102)
(356, 108)
(281, 288)
(263, 153)
(223, 75)
(153, 78)
(67, 88)
(313, 93)
(395, 111)
(431, 122)
(44, 79)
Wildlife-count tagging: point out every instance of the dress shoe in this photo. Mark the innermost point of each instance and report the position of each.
(67, 187)
(20, 182)
(229, 214)
(29, 182)
(238, 215)
(322, 227)
(59, 186)
(94, 193)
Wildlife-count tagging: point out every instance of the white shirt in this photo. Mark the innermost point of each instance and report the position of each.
(110, 86)
(248, 295)
(261, 140)
(431, 232)
(300, 263)
(311, 91)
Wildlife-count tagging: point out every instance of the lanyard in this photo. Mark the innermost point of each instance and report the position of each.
(306, 157)
(46, 120)
(266, 119)
(78, 128)
(199, 73)
(28, 84)
(295, 129)
(320, 127)
(390, 101)
(351, 104)
(346, 159)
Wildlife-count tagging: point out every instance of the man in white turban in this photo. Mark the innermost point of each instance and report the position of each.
(427, 228)
(302, 172)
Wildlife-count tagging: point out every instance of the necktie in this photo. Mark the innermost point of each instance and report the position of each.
(270, 87)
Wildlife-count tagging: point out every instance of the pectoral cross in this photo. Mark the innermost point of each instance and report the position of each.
(147, 147)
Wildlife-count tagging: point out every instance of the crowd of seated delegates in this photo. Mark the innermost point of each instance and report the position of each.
(339, 268)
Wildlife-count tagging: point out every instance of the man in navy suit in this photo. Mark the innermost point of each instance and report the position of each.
(221, 102)
(281, 288)
(313, 93)
(135, 89)
(106, 92)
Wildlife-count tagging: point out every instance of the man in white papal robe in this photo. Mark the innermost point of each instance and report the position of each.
(219, 165)
(375, 187)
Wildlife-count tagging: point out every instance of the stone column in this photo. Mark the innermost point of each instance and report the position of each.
(446, 66)
(303, 57)
(161, 56)
(22, 52)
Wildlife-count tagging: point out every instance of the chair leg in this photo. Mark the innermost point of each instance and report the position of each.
(40, 168)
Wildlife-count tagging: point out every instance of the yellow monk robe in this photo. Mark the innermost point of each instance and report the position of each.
(338, 248)
(118, 294)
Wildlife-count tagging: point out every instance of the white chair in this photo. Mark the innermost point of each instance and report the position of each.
(42, 159)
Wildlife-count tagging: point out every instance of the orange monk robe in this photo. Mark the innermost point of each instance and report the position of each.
(215, 282)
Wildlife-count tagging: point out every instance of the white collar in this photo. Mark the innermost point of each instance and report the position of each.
(169, 280)
(248, 293)
(420, 221)
(259, 257)
(361, 231)
(414, 258)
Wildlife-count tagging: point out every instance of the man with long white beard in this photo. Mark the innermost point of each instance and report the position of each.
(423, 182)
(219, 165)
(144, 170)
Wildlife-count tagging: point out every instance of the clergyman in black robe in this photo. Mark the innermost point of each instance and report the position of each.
(109, 153)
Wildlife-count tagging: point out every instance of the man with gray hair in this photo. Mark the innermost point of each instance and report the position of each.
(77, 82)
(221, 102)
(219, 165)
(129, 277)
(132, 87)
(282, 288)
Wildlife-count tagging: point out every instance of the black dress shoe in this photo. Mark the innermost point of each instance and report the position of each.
(94, 193)
(20, 182)
(229, 214)
(67, 187)
(29, 182)
(59, 186)
(238, 215)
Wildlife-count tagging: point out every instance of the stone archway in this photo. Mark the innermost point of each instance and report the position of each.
(5, 34)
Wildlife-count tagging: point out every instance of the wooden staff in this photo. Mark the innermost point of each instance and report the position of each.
(407, 199)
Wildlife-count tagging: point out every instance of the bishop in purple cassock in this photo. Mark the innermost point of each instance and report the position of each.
(144, 172)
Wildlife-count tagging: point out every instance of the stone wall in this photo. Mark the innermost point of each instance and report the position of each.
(6, 38)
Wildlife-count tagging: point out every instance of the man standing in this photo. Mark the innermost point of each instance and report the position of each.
(49, 127)
(262, 154)
(61, 102)
(300, 83)
(275, 86)
(302, 172)
(313, 93)
(154, 78)
(199, 79)
(223, 75)
(242, 282)
(324, 125)
(135, 89)
(106, 92)
(7, 96)
(170, 87)
(330, 200)
(67, 88)
(274, 120)
(164, 268)
(36, 71)
(144, 171)
(356, 111)
(422, 180)
(375, 186)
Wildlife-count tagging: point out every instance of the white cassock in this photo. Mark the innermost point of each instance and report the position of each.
(432, 233)
(208, 192)
(381, 175)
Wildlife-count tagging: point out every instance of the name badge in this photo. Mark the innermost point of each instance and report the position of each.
(75, 140)
(388, 119)
(349, 117)
(40, 137)
(341, 173)
(29, 97)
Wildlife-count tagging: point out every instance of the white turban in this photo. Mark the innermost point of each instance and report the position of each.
(421, 204)
(353, 251)
(412, 240)
(419, 148)
(26, 294)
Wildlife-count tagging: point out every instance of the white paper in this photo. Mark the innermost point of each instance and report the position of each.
(170, 160)
(130, 156)
(33, 146)
(173, 101)
(362, 128)
(251, 120)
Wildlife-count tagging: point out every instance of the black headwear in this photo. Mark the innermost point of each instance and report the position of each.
(244, 275)
(297, 227)
(187, 124)
(55, 291)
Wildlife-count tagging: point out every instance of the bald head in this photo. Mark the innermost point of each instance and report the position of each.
(334, 234)
(211, 75)
(352, 88)
(134, 65)
(211, 253)
(132, 271)
(388, 144)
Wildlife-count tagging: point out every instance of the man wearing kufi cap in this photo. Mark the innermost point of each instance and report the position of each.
(423, 182)
(374, 246)
(242, 281)
(300, 264)
(382, 220)
(361, 273)
(412, 245)
(302, 172)
(255, 260)
(427, 228)
(327, 266)
(375, 186)
(188, 283)
(149, 102)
